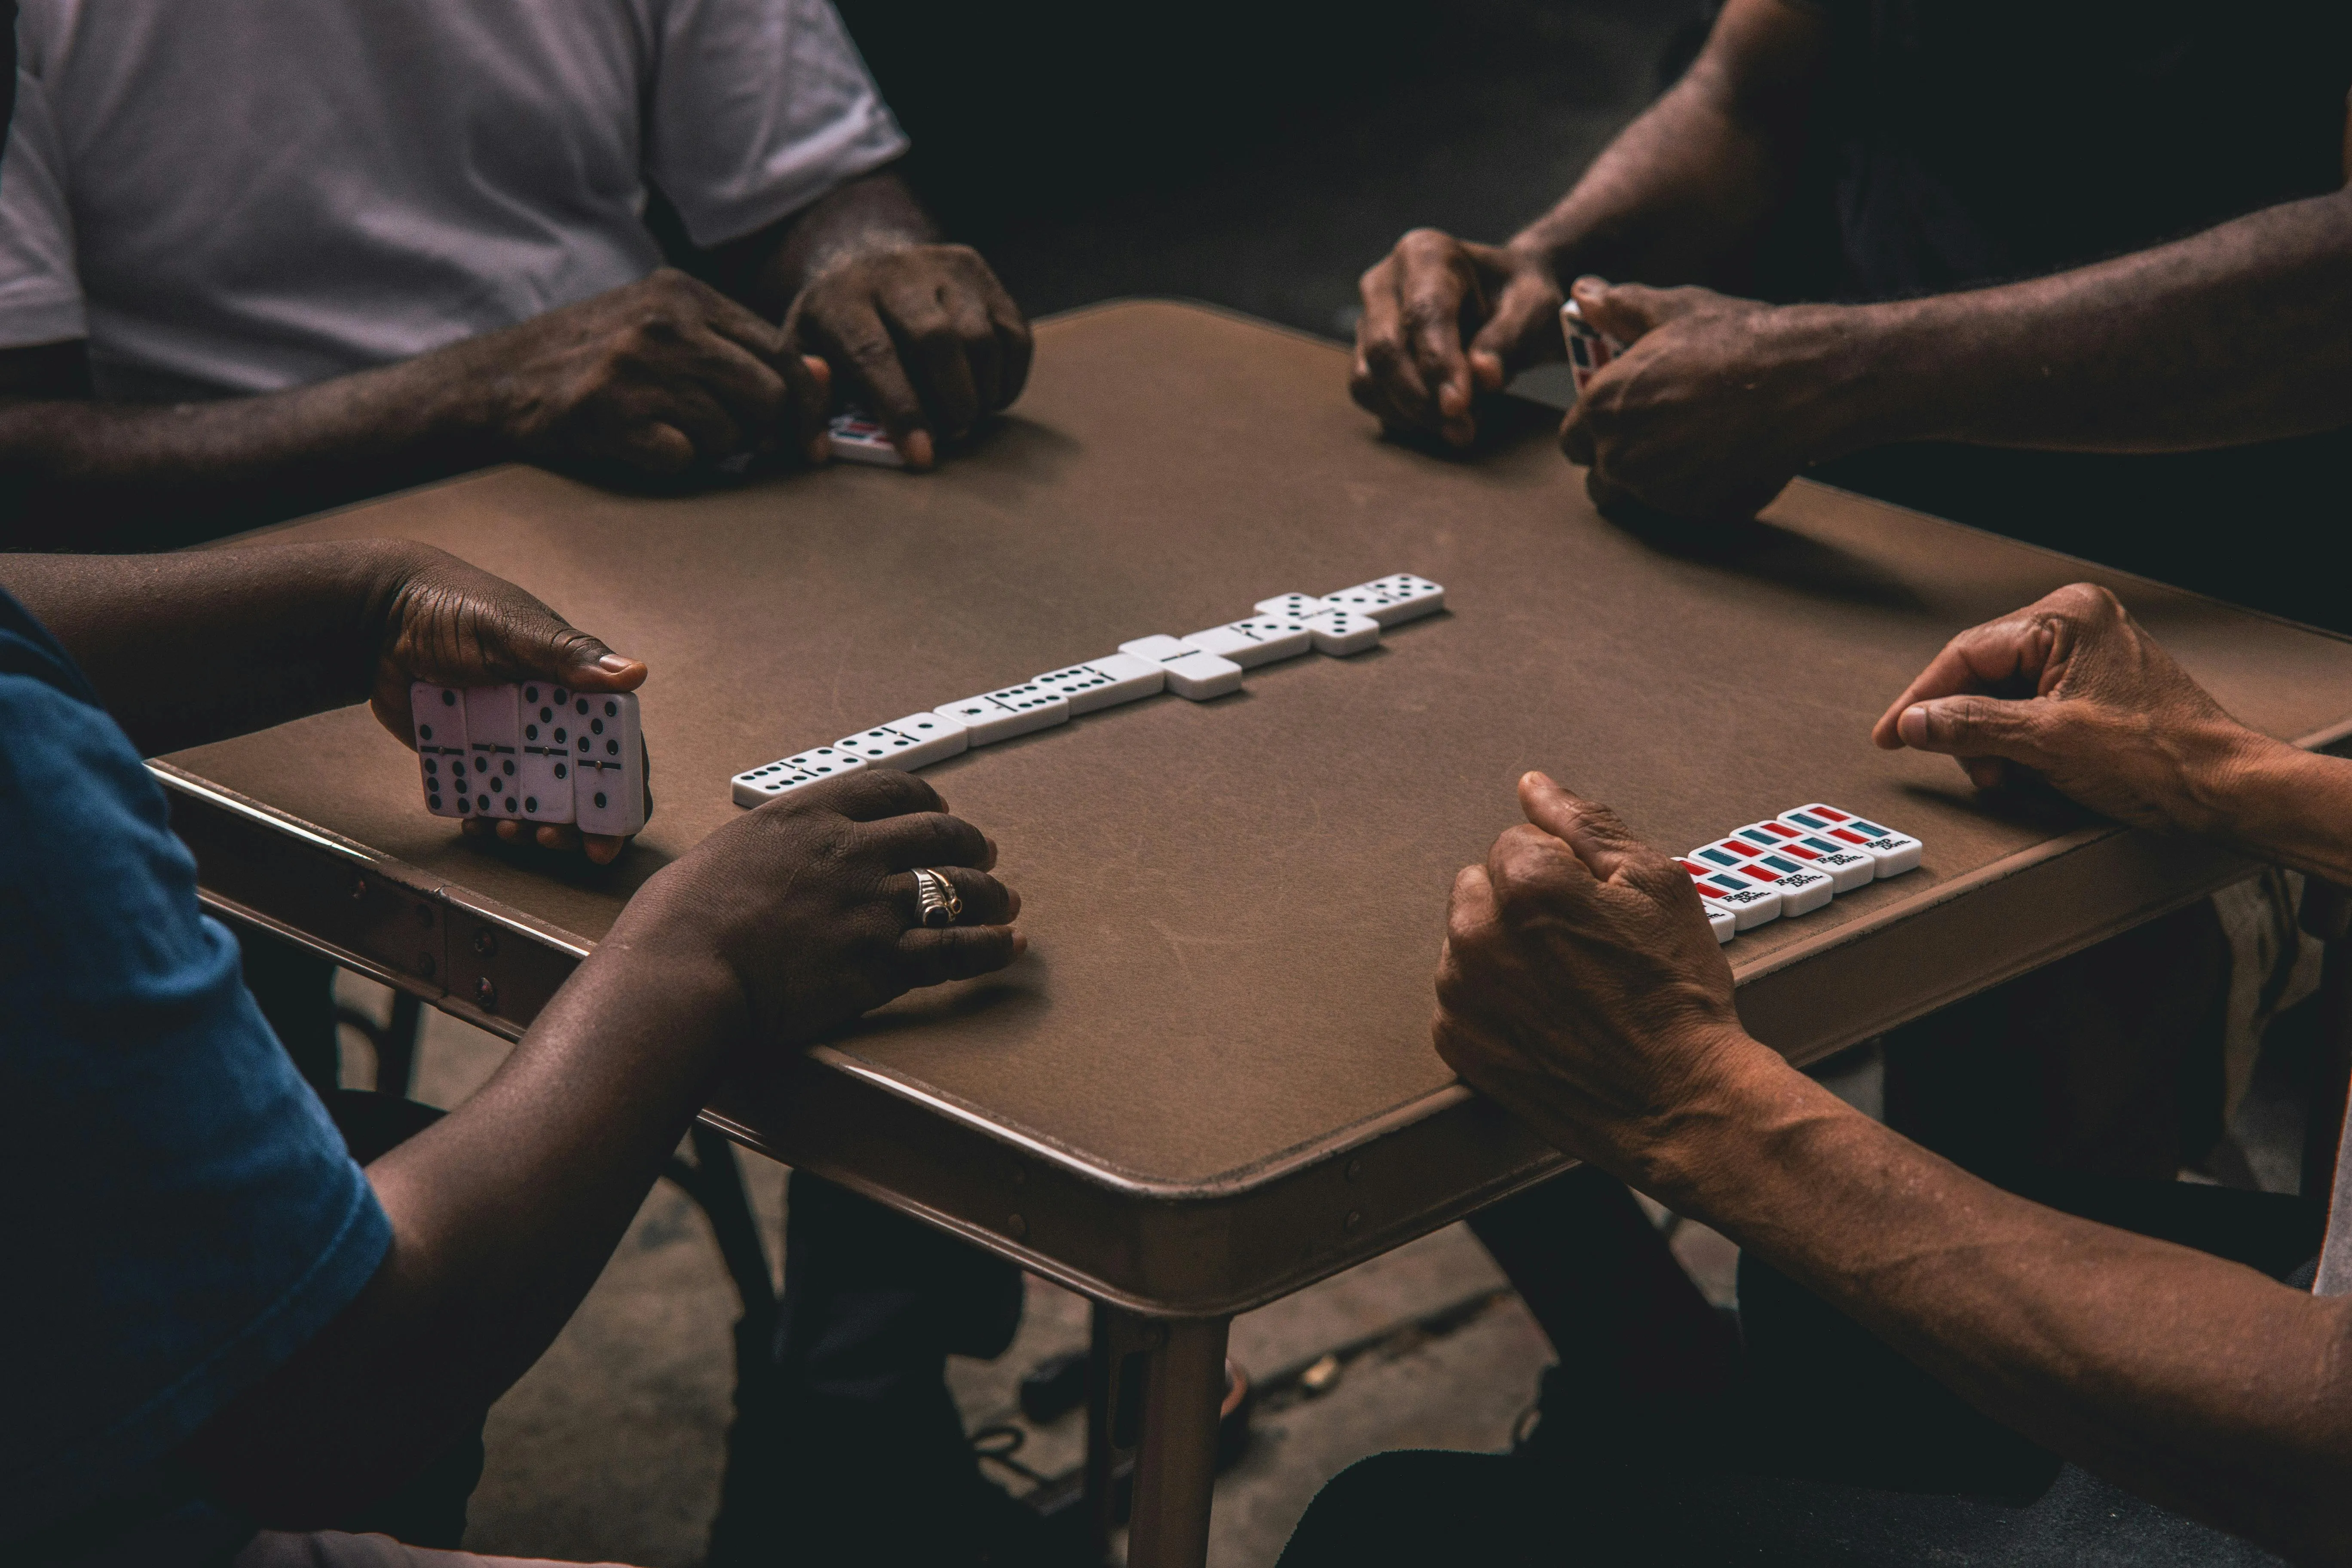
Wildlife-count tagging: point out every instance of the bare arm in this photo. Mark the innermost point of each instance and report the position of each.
(661, 378)
(780, 928)
(1581, 986)
(1682, 195)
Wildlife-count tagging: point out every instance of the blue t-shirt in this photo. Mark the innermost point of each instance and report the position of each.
(181, 1215)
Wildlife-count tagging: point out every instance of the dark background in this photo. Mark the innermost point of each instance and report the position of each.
(1256, 156)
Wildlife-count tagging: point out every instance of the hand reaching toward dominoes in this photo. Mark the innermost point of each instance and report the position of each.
(1579, 985)
(458, 628)
(2073, 692)
(810, 902)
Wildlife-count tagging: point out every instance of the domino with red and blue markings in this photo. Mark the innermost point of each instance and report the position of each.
(1846, 868)
(1588, 352)
(1748, 902)
(1801, 891)
(1894, 853)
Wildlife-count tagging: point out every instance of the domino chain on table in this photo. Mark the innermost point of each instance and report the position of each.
(1204, 665)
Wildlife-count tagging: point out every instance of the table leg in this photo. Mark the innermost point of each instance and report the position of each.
(1184, 1384)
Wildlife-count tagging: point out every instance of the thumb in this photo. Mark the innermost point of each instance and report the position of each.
(1627, 311)
(549, 645)
(1591, 829)
(1973, 726)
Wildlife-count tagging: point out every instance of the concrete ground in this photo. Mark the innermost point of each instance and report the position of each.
(610, 1447)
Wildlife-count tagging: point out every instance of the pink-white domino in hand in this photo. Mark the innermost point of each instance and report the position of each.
(1587, 351)
(1846, 868)
(543, 777)
(608, 763)
(857, 438)
(494, 750)
(1801, 891)
(438, 715)
(1749, 904)
(1893, 852)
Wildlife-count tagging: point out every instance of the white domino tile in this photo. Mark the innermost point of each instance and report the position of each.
(1104, 682)
(494, 750)
(1391, 600)
(1261, 639)
(761, 785)
(438, 715)
(915, 741)
(1297, 606)
(1192, 675)
(1846, 868)
(1801, 891)
(608, 767)
(1720, 920)
(857, 438)
(1894, 853)
(1749, 904)
(1343, 632)
(543, 776)
(995, 716)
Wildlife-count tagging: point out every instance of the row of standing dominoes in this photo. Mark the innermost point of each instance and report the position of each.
(531, 752)
(1793, 864)
(1588, 348)
(1205, 665)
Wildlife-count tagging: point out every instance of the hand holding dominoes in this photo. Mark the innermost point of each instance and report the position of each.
(1205, 665)
(452, 631)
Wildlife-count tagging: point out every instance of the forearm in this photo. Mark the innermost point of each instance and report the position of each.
(875, 212)
(1683, 194)
(84, 472)
(2236, 334)
(194, 646)
(2192, 1380)
(503, 1213)
(2289, 806)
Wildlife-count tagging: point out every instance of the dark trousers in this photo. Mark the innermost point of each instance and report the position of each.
(1799, 1440)
(853, 1451)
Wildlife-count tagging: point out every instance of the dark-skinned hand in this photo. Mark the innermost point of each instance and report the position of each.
(923, 335)
(1444, 320)
(658, 377)
(810, 900)
(455, 625)
(2072, 692)
(1715, 403)
(1581, 986)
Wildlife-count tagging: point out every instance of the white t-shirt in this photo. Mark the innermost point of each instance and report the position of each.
(245, 196)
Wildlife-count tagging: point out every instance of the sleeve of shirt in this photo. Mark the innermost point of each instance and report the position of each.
(40, 292)
(195, 1218)
(760, 106)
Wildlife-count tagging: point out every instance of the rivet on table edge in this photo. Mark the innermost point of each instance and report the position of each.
(1355, 1217)
(359, 889)
(1355, 1169)
(486, 943)
(486, 994)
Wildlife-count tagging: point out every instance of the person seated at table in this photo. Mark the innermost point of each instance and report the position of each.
(2009, 241)
(258, 259)
(1928, 1368)
(228, 1338)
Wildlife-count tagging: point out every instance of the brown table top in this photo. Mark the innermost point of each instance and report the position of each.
(1234, 907)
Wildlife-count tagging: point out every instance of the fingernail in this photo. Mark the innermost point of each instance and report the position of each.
(614, 664)
(1913, 725)
(1020, 944)
(1591, 283)
(918, 449)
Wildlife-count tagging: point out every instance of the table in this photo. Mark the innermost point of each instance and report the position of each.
(1210, 1081)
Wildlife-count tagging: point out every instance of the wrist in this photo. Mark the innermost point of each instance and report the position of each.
(1703, 1149)
(1859, 365)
